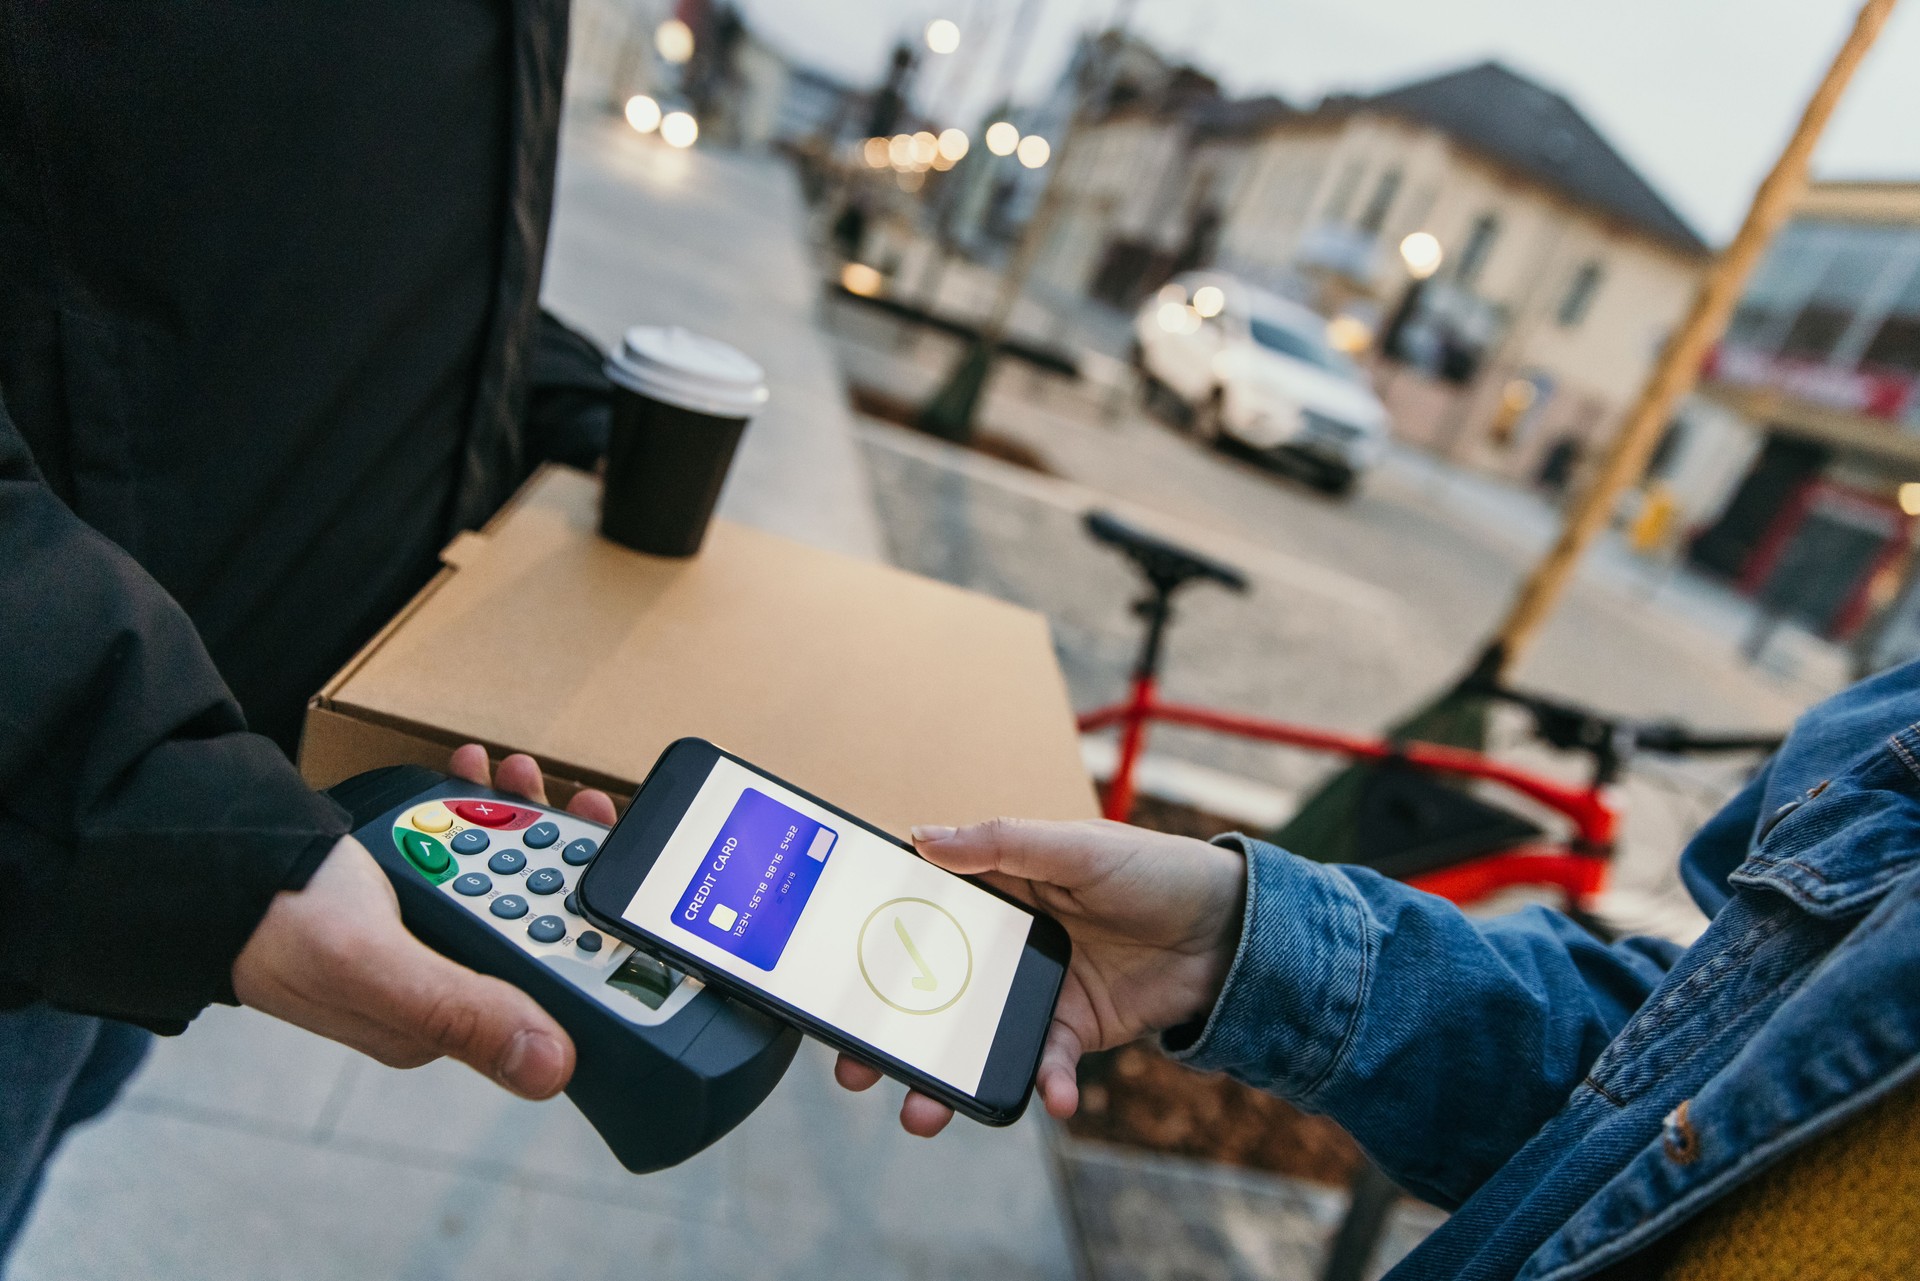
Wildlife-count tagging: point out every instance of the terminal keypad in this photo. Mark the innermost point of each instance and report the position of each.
(499, 860)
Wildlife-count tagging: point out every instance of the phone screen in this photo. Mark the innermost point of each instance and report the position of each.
(759, 882)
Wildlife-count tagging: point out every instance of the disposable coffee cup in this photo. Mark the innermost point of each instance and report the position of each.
(680, 402)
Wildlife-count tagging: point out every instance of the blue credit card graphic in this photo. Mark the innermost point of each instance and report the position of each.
(748, 893)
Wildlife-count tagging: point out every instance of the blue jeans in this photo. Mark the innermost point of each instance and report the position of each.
(56, 1070)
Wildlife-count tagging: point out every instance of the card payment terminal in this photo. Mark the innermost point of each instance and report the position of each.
(665, 1066)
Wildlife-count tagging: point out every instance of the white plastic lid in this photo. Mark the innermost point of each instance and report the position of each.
(679, 367)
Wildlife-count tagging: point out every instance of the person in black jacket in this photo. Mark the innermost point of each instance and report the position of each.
(268, 310)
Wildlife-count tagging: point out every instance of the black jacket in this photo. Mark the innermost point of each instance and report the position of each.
(268, 295)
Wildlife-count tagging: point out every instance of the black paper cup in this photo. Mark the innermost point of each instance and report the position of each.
(680, 403)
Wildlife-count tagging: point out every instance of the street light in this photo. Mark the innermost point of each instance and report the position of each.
(643, 113)
(1421, 252)
(673, 40)
(953, 144)
(679, 129)
(1033, 151)
(943, 35)
(1002, 138)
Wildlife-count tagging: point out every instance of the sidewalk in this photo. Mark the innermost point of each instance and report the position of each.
(247, 1151)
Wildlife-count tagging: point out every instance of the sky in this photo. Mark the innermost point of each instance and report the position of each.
(1700, 94)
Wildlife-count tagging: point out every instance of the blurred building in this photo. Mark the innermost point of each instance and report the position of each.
(1145, 188)
(1816, 390)
(1109, 72)
(745, 91)
(1562, 271)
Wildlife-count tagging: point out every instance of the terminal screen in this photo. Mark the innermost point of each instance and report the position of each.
(822, 914)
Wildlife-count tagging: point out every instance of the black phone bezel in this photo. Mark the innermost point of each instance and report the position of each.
(634, 844)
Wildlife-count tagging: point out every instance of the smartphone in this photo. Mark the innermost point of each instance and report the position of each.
(828, 923)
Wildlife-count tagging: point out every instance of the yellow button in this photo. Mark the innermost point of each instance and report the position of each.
(432, 818)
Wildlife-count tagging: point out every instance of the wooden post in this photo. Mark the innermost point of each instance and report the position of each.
(1678, 368)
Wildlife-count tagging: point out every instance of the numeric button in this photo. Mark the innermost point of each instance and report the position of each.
(546, 881)
(589, 941)
(580, 852)
(507, 862)
(547, 929)
(471, 841)
(508, 907)
(541, 835)
(473, 884)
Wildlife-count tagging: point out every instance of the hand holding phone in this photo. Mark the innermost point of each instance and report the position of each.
(1155, 922)
(828, 923)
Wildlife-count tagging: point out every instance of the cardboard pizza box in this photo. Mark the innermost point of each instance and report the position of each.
(899, 698)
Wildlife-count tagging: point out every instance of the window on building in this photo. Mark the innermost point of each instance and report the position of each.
(1856, 258)
(1375, 215)
(1479, 247)
(1896, 345)
(1341, 198)
(1579, 298)
(1783, 283)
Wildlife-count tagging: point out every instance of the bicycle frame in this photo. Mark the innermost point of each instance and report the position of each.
(1578, 869)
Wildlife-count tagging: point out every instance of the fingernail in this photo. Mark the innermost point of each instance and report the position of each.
(932, 832)
(532, 1064)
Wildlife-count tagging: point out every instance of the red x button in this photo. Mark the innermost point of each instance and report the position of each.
(492, 813)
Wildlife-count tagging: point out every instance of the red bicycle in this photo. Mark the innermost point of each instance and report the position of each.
(1410, 824)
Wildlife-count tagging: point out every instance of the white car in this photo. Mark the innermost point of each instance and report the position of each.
(1256, 369)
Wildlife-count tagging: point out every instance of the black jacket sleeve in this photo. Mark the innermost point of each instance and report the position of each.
(569, 399)
(143, 830)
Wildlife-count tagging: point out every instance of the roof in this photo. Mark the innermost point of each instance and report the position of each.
(1530, 128)
(1861, 200)
(1224, 116)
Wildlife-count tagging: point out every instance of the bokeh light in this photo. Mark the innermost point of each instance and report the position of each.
(1002, 138)
(1421, 252)
(1033, 151)
(643, 113)
(858, 278)
(673, 41)
(679, 129)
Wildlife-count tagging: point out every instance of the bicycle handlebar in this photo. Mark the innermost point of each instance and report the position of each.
(1678, 740)
(1572, 727)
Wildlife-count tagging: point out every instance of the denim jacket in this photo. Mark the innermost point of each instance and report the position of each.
(1572, 1101)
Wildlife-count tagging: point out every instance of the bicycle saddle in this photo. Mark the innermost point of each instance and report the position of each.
(1166, 565)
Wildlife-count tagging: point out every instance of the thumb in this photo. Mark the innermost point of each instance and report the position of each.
(1064, 854)
(491, 1026)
